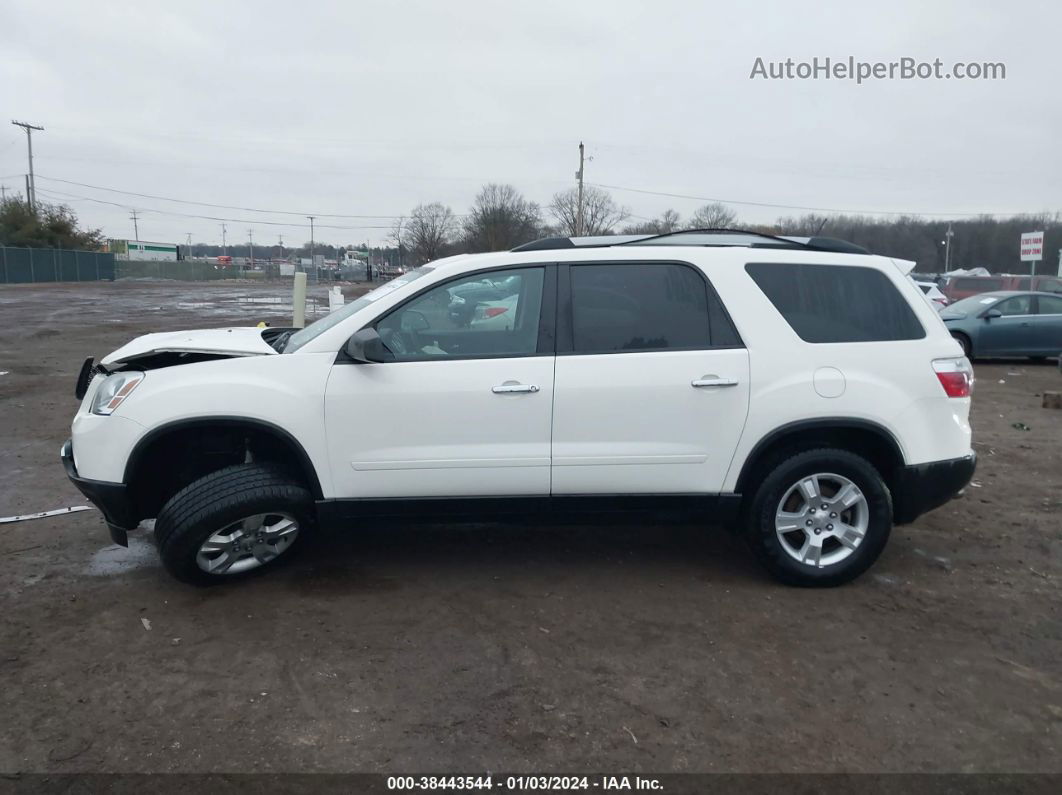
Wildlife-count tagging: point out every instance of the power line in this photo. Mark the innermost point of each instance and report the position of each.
(208, 204)
(61, 196)
(788, 206)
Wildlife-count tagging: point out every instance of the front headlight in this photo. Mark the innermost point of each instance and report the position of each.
(114, 389)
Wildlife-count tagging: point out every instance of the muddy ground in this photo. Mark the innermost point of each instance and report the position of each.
(470, 648)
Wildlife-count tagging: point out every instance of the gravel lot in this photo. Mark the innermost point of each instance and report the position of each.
(490, 648)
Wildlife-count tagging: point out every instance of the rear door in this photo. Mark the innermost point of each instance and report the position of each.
(1048, 325)
(652, 381)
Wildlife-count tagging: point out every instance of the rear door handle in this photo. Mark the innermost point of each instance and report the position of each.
(506, 389)
(712, 381)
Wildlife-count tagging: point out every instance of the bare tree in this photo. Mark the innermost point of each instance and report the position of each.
(427, 231)
(713, 216)
(500, 219)
(600, 212)
(669, 221)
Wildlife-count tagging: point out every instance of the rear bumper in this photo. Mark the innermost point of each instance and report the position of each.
(111, 498)
(923, 487)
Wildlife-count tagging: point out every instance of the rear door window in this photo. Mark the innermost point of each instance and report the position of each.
(627, 307)
(1050, 304)
(837, 303)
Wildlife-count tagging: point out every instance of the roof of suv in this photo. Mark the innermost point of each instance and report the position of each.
(698, 237)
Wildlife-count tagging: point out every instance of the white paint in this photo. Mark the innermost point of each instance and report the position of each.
(633, 423)
(829, 382)
(435, 428)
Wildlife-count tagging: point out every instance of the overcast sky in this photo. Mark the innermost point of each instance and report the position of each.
(369, 108)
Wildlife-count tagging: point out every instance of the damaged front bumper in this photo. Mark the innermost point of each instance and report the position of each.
(112, 499)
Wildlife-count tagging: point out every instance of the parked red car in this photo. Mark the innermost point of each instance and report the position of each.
(959, 287)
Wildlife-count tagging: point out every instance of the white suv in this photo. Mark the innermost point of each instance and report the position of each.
(800, 389)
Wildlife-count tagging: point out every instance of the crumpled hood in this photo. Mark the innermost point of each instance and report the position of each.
(216, 341)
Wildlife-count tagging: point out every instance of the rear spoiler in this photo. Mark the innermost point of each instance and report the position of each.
(904, 265)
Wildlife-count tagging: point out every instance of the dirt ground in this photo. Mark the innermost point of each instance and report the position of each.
(490, 648)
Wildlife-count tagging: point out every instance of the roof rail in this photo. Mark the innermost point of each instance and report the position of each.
(716, 237)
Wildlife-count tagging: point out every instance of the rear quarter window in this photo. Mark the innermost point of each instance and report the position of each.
(837, 303)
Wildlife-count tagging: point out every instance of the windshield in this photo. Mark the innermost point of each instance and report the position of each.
(975, 303)
(300, 338)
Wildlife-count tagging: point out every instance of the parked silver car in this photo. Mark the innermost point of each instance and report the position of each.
(1007, 323)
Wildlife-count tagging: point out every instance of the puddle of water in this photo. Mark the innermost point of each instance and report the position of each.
(114, 559)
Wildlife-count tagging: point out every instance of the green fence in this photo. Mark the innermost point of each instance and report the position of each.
(186, 271)
(26, 265)
(202, 271)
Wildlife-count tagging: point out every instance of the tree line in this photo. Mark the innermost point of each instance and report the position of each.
(501, 218)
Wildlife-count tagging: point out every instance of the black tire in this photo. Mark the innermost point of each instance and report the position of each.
(964, 341)
(220, 499)
(779, 478)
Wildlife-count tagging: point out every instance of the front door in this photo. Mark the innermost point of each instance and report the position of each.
(1013, 333)
(652, 382)
(465, 408)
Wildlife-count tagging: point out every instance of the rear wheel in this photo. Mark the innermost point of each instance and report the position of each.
(820, 518)
(233, 523)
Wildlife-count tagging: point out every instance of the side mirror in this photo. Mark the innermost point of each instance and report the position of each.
(366, 347)
(991, 313)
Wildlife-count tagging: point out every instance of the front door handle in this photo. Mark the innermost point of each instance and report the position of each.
(508, 389)
(713, 381)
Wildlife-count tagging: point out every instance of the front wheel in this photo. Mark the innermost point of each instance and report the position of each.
(820, 518)
(232, 523)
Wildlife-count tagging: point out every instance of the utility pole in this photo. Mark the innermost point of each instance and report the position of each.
(224, 248)
(136, 227)
(281, 246)
(400, 220)
(313, 259)
(189, 243)
(3, 193)
(579, 208)
(250, 244)
(29, 128)
(947, 248)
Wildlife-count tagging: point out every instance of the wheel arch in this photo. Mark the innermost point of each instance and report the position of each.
(863, 437)
(174, 434)
(965, 335)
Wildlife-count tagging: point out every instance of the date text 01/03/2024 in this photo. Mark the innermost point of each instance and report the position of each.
(519, 783)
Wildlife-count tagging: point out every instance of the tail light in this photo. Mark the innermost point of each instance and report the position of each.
(494, 311)
(955, 375)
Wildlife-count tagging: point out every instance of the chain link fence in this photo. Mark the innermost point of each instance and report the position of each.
(27, 265)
